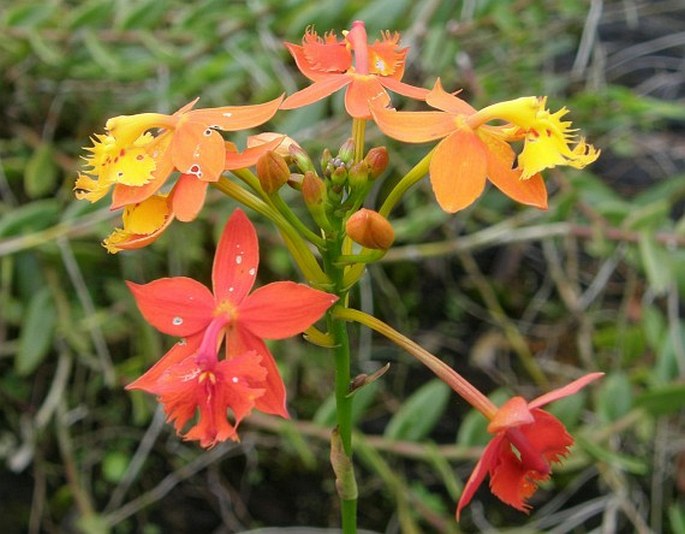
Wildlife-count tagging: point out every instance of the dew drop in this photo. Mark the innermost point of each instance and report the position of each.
(231, 289)
(177, 321)
(235, 380)
(252, 271)
(239, 259)
(227, 114)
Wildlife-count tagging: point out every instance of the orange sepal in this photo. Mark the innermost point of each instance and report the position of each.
(249, 156)
(316, 91)
(363, 90)
(568, 389)
(404, 89)
(188, 197)
(511, 414)
(235, 118)
(413, 126)
(457, 170)
(444, 101)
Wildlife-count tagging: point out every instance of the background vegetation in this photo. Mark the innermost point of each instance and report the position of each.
(519, 300)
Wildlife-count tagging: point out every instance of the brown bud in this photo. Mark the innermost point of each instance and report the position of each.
(272, 171)
(370, 229)
(377, 160)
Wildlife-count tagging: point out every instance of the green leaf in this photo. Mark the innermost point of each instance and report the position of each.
(656, 262)
(36, 332)
(40, 176)
(146, 14)
(90, 14)
(31, 217)
(114, 466)
(29, 15)
(615, 397)
(420, 412)
(663, 400)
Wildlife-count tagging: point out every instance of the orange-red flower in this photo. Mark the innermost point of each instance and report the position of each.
(190, 375)
(330, 64)
(138, 153)
(471, 150)
(527, 439)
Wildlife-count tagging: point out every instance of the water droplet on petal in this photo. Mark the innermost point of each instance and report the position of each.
(231, 289)
(227, 114)
(252, 271)
(239, 259)
(235, 379)
(177, 321)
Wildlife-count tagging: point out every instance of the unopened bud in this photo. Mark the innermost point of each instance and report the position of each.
(377, 160)
(301, 158)
(370, 229)
(314, 196)
(326, 158)
(346, 152)
(358, 175)
(339, 175)
(272, 171)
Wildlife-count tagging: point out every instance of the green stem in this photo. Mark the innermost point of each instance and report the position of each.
(296, 245)
(458, 383)
(358, 134)
(416, 173)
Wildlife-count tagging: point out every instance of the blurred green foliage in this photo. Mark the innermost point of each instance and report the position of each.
(594, 283)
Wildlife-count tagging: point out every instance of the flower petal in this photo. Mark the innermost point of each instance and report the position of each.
(361, 92)
(318, 90)
(413, 126)
(444, 101)
(548, 436)
(180, 351)
(457, 170)
(485, 464)
(236, 259)
(273, 400)
(568, 389)
(188, 197)
(235, 118)
(283, 309)
(176, 306)
(249, 156)
(317, 59)
(512, 413)
(199, 150)
(404, 89)
(500, 157)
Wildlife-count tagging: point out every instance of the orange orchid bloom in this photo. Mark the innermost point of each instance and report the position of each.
(526, 440)
(190, 375)
(471, 150)
(330, 65)
(138, 153)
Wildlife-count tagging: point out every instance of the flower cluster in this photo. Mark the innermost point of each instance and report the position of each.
(158, 168)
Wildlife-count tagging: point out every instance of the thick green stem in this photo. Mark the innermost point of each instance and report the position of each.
(416, 173)
(458, 383)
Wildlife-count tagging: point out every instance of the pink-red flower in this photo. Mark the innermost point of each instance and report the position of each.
(470, 150)
(526, 441)
(367, 70)
(190, 376)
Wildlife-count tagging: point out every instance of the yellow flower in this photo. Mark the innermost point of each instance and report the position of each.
(143, 223)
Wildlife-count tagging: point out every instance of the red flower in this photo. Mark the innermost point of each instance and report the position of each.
(329, 64)
(526, 441)
(190, 376)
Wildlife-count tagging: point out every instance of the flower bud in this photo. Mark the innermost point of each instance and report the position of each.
(358, 175)
(377, 160)
(314, 195)
(272, 171)
(301, 158)
(326, 158)
(339, 175)
(346, 152)
(370, 229)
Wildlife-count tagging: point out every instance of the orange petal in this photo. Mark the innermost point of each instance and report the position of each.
(565, 391)
(185, 109)
(531, 191)
(315, 92)
(457, 170)
(396, 86)
(485, 464)
(442, 100)
(235, 118)
(188, 197)
(125, 195)
(199, 150)
(361, 92)
(249, 157)
(413, 126)
(547, 435)
(511, 414)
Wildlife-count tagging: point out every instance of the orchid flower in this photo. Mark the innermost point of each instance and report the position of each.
(329, 63)
(185, 308)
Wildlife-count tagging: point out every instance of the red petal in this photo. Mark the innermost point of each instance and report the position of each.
(176, 306)
(235, 118)
(413, 126)
(565, 391)
(442, 100)
(181, 350)
(188, 197)
(361, 92)
(272, 401)
(531, 191)
(485, 464)
(248, 157)
(315, 92)
(199, 150)
(457, 170)
(283, 309)
(512, 413)
(236, 259)
(548, 435)
(396, 86)
(316, 59)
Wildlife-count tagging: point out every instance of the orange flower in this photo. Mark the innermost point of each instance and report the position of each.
(471, 151)
(190, 376)
(527, 439)
(139, 152)
(329, 64)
